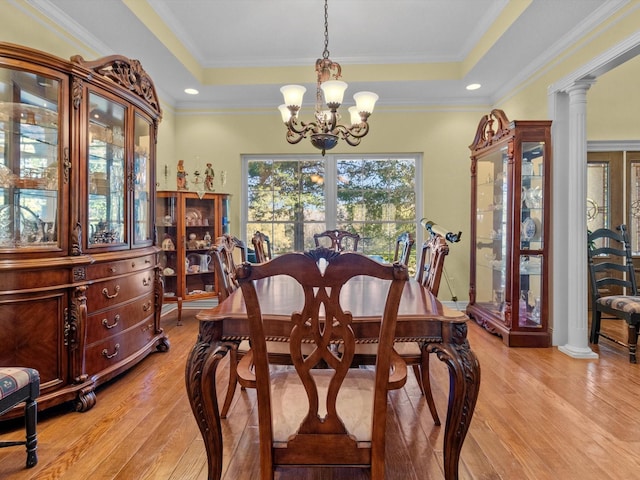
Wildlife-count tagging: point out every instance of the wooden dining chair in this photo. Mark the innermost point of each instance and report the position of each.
(338, 240)
(321, 412)
(261, 247)
(22, 385)
(404, 244)
(415, 354)
(431, 262)
(226, 253)
(613, 286)
(223, 256)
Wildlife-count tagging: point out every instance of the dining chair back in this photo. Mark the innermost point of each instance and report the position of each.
(404, 244)
(338, 240)
(613, 284)
(431, 262)
(321, 411)
(21, 385)
(223, 256)
(261, 246)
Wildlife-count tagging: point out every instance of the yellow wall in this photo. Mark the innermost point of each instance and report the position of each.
(441, 135)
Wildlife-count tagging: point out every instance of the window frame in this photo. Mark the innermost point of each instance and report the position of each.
(330, 184)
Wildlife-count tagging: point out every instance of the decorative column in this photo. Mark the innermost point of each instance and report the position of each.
(577, 311)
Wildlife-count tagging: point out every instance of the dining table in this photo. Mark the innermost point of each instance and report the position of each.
(422, 318)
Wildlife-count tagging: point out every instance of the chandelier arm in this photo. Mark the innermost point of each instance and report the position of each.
(297, 130)
(352, 135)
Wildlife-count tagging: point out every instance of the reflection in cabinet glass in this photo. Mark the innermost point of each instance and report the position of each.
(508, 292)
(29, 135)
(106, 170)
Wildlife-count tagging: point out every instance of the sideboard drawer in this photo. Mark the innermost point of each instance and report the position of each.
(111, 351)
(107, 323)
(119, 267)
(112, 292)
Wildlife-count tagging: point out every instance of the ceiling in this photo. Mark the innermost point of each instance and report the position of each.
(238, 53)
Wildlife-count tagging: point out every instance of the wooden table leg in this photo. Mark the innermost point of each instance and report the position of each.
(464, 384)
(200, 376)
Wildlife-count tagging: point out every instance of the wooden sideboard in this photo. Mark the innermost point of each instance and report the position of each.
(80, 288)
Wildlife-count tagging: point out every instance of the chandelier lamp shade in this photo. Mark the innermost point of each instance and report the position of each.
(325, 131)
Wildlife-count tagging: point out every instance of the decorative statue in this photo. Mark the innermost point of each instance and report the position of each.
(181, 176)
(209, 175)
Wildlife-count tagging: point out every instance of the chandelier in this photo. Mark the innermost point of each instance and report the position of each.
(325, 131)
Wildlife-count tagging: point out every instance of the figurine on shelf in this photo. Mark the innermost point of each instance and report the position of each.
(167, 243)
(181, 176)
(209, 175)
(197, 180)
(192, 244)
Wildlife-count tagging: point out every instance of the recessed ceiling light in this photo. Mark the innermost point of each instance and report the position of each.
(473, 86)
(191, 91)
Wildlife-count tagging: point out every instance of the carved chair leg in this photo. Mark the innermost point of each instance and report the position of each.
(633, 341)
(31, 416)
(595, 325)
(426, 385)
(233, 381)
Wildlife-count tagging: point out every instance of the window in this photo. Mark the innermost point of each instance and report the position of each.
(289, 198)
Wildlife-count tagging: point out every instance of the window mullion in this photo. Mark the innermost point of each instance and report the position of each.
(331, 191)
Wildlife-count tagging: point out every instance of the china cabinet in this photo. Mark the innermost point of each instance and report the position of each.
(188, 224)
(510, 171)
(80, 288)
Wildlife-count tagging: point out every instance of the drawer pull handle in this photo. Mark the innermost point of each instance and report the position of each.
(147, 306)
(133, 264)
(106, 354)
(105, 292)
(105, 322)
(146, 260)
(112, 269)
(146, 281)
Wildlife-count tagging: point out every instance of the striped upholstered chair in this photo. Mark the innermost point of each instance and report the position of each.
(17, 385)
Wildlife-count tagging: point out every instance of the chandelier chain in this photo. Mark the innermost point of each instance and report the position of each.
(325, 53)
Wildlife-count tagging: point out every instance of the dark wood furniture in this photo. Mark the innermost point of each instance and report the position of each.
(21, 385)
(431, 262)
(404, 244)
(510, 229)
(421, 317)
(613, 284)
(224, 265)
(338, 240)
(325, 431)
(188, 223)
(80, 290)
(261, 247)
(223, 261)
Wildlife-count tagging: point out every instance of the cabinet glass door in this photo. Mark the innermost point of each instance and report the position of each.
(169, 237)
(106, 143)
(200, 218)
(531, 234)
(29, 160)
(142, 191)
(491, 226)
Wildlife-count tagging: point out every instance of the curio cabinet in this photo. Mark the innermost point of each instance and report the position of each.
(509, 282)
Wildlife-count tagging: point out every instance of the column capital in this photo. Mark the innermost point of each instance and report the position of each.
(580, 86)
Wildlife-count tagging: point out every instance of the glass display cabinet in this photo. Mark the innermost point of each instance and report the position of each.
(80, 287)
(510, 166)
(188, 224)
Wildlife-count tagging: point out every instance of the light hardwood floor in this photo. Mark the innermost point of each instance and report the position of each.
(540, 416)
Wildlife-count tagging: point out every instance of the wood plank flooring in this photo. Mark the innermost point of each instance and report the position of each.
(540, 416)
